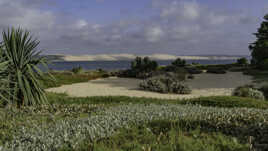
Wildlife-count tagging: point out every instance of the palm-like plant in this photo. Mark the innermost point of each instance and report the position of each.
(21, 75)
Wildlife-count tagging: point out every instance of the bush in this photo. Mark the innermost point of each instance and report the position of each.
(248, 91)
(190, 76)
(264, 90)
(216, 71)
(77, 70)
(179, 63)
(165, 84)
(242, 61)
(264, 65)
(194, 71)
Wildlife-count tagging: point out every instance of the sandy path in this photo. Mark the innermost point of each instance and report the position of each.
(203, 85)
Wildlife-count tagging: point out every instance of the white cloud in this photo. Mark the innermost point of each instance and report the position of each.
(191, 10)
(176, 26)
(81, 24)
(154, 34)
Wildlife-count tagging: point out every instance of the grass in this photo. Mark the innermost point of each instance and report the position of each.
(65, 78)
(214, 101)
(163, 135)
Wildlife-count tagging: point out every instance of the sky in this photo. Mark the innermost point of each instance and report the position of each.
(176, 27)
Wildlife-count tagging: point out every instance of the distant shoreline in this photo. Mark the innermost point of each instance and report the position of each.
(127, 57)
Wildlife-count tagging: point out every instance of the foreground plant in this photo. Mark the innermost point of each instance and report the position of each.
(21, 77)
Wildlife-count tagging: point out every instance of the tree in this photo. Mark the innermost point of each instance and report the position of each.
(259, 49)
(143, 64)
(22, 75)
(179, 63)
(242, 61)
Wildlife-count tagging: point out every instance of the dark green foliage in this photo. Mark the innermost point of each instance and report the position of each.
(140, 68)
(242, 61)
(179, 63)
(264, 90)
(143, 65)
(259, 49)
(227, 102)
(216, 71)
(190, 76)
(264, 64)
(77, 70)
(194, 71)
(21, 78)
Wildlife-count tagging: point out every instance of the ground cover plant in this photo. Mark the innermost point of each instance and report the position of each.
(214, 101)
(164, 135)
(236, 122)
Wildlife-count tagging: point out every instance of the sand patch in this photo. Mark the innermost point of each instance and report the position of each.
(202, 85)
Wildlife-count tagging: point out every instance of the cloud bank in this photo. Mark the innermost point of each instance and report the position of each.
(176, 27)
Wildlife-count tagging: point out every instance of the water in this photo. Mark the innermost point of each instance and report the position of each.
(116, 65)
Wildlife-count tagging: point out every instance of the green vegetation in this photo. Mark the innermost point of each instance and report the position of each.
(259, 76)
(165, 84)
(242, 61)
(259, 49)
(164, 135)
(215, 101)
(77, 70)
(227, 102)
(105, 122)
(216, 71)
(21, 76)
(65, 78)
(264, 90)
(179, 63)
(248, 91)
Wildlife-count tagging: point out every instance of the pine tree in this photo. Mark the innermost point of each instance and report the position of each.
(259, 49)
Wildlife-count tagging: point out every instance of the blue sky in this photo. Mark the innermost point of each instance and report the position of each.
(179, 27)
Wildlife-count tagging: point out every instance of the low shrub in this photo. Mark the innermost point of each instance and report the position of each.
(264, 90)
(248, 91)
(264, 65)
(238, 69)
(191, 76)
(77, 70)
(165, 84)
(194, 71)
(216, 71)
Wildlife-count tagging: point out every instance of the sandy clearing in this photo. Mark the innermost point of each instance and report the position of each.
(202, 85)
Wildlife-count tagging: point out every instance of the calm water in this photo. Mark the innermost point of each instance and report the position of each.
(114, 65)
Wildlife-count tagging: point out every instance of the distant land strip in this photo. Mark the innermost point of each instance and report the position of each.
(126, 57)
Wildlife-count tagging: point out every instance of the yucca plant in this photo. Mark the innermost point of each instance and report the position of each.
(21, 76)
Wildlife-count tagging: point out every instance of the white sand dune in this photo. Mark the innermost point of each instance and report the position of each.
(203, 85)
